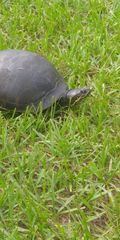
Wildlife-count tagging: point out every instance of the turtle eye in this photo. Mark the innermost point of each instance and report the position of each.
(84, 91)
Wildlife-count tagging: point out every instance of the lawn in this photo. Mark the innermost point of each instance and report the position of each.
(59, 171)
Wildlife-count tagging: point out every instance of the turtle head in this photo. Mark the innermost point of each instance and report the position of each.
(75, 95)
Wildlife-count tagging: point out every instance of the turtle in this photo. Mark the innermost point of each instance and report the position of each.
(27, 79)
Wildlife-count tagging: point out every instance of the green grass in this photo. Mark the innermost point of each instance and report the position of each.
(59, 171)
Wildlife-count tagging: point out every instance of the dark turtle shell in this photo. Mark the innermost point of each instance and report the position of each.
(26, 79)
